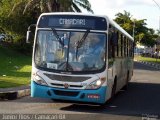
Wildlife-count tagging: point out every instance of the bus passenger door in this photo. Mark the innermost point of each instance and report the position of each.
(111, 64)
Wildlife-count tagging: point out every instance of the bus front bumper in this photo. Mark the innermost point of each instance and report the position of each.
(93, 96)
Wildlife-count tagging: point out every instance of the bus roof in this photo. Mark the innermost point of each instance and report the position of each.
(113, 23)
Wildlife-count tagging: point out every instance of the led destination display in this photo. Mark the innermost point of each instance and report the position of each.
(73, 22)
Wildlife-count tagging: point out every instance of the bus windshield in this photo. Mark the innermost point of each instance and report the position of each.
(74, 55)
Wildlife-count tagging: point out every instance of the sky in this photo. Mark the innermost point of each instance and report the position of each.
(139, 9)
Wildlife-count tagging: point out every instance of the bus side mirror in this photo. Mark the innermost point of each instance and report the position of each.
(28, 36)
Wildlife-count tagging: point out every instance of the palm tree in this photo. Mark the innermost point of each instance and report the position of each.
(82, 3)
(53, 6)
(124, 20)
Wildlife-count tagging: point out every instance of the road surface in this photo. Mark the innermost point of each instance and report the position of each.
(140, 101)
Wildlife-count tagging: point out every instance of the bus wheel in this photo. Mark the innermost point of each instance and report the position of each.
(127, 80)
(114, 88)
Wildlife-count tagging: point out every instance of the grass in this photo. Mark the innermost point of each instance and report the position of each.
(148, 59)
(15, 68)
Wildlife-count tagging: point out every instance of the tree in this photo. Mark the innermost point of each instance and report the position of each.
(17, 15)
(124, 20)
(33, 8)
(16, 23)
(142, 34)
(52, 6)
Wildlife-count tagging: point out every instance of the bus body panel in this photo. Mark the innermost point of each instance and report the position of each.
(78, 95)
(41, 90)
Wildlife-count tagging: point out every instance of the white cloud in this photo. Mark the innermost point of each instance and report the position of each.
(138, 2)
(140, 9)
(122, 3)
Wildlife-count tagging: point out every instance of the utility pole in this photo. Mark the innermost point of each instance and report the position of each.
(159, 25)
(133, 29)
(159, 16)
(157, 52)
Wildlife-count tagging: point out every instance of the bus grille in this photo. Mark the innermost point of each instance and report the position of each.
(62, 85)
(66, 93)
(66, 78)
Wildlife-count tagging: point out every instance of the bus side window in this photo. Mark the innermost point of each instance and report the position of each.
(112, 42)
(122, 45)
(109, 45)
(127, 46)
(117, 47)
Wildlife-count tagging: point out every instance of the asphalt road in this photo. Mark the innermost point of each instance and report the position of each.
(140, 102)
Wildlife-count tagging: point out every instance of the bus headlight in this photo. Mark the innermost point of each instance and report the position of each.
(39, 80)
(96, 84)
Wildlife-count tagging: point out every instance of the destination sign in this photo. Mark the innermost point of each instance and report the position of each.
(73, 22)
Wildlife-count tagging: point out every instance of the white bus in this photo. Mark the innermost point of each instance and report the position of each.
(80, 57)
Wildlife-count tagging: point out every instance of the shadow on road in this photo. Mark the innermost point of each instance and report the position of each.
(140, 98)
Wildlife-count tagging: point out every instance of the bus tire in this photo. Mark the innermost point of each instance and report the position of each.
(114, 88)
(127, 80)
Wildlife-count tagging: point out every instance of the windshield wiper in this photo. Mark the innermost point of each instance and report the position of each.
(57, 36)
(81, 41)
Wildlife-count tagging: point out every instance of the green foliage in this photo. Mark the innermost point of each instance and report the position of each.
(17, 15)
(142, 34)
(148, 59)
(57, 5)
(15, 22)
(124, 20)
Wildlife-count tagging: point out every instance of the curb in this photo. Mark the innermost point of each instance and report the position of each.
(12, 95)
(156, 66)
